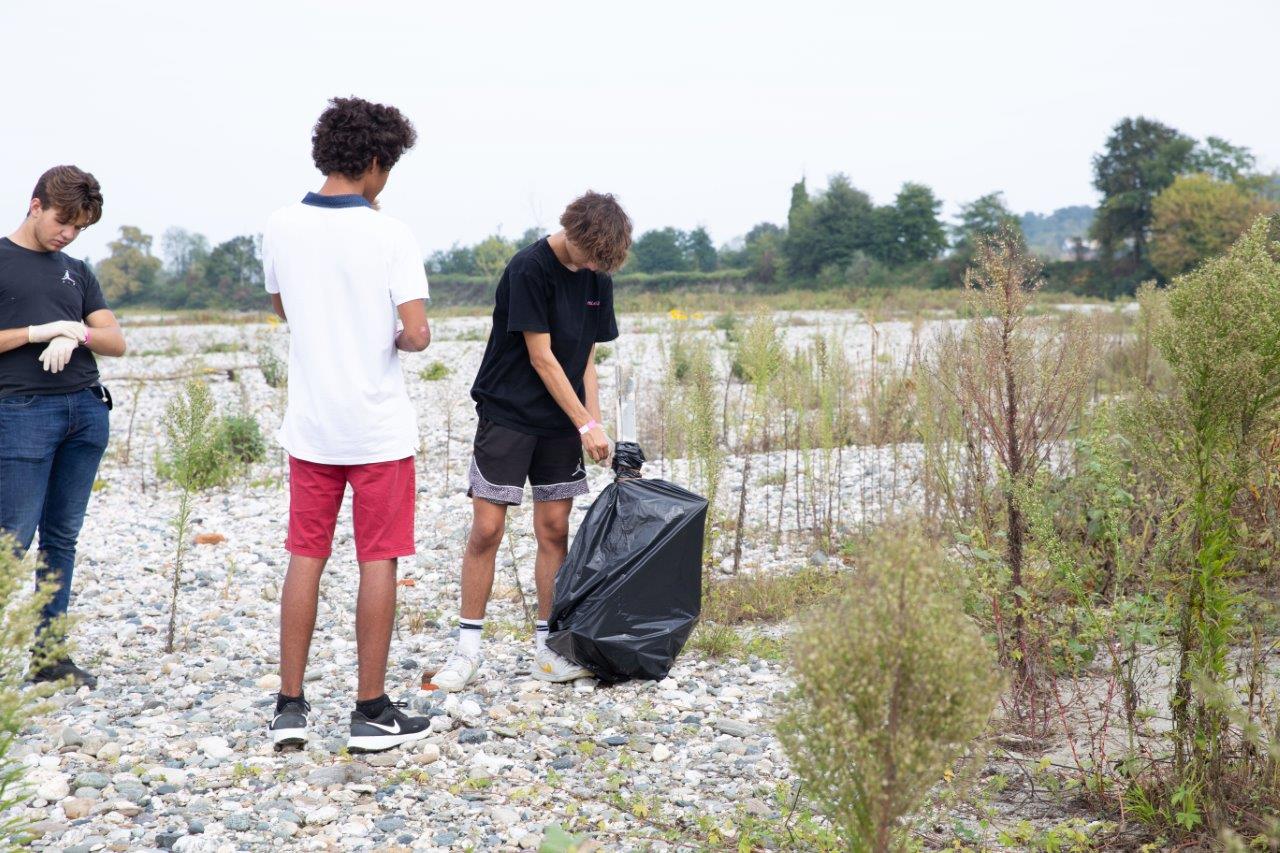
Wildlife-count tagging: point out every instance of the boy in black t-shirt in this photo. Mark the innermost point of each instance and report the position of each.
(538, 400)
(53, 412)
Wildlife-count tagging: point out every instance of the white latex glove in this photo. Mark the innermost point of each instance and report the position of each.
(57, 353)
(49, 331)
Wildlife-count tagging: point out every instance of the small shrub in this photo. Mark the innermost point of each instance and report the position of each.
(275, 372)
(715, 640)
(230, 444)
(242, 437)
(603, 353)
(434, 372)
(769, 597)
(727, 323)
(892, 683)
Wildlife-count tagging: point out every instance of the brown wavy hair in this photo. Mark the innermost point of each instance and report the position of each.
(353, 131)
(73, 192)
(597, 224)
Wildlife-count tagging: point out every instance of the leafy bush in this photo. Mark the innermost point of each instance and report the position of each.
(434, 372)
(1220, 338)
(242, 437)
(274, 371)
(227, 446)
(892, 683)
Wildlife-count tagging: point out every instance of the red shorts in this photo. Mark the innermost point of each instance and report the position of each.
(382, 507)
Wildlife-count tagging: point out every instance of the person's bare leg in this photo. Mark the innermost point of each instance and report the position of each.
(375, 618)
(298, 598)
(488, 521)
(551, 529)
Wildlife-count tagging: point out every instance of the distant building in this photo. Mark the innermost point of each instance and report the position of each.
(1079, 249)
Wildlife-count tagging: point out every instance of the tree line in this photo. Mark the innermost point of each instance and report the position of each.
(1168, 202)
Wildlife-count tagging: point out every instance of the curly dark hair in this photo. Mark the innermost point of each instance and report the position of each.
(353, 131)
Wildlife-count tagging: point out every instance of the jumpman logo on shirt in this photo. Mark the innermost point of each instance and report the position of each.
(67, 278)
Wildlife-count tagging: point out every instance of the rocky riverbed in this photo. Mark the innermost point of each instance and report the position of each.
(170, 750)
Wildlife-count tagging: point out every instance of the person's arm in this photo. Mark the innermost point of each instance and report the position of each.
(277, 305)
(591, 387)
(104, 333)
(40, 334)
(416, 334)
(552, 375)
(13, 338)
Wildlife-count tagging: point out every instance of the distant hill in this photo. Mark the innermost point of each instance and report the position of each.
(1049, 235)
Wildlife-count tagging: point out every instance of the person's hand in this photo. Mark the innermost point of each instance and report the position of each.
(49, 331)
(57, 353)
(596, 443)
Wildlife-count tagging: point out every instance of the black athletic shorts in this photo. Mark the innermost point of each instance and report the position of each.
(502, 459)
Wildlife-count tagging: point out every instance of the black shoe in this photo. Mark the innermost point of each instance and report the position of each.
(289, 725)
(386, 731)
(61, 669)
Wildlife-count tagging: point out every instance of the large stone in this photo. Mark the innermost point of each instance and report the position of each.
(238, 822)
(92, 780)
(321, 816)
(336, 774)
(76, 807)
(53, 789)
(735, 728)
(215, 747)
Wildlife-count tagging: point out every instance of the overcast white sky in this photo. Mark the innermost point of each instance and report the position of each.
(200, 114)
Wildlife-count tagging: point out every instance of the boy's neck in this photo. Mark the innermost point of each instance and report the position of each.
(342, 185)
(25, 236)
(557, 243)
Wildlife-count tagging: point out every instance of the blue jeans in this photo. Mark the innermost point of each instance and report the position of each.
(50, 447)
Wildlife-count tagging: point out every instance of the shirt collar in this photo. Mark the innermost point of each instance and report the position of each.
(350, 200)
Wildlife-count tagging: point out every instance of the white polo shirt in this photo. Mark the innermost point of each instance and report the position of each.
(341, 268)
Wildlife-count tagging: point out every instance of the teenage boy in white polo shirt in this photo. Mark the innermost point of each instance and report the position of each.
(341, 274)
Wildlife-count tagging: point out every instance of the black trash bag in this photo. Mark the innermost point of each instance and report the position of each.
(630, 590)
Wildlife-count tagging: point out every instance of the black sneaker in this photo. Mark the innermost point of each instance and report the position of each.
(289, 725)
(386, 731)
(65, 668)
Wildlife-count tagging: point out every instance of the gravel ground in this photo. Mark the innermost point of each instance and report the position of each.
(170, 750)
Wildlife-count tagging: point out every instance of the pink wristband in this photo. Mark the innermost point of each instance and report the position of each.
(587, 427)
(86, 335)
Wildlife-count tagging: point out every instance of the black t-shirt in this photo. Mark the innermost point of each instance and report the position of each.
(537, 293)
(37, 288)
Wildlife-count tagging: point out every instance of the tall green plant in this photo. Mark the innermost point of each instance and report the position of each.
(701, 426)
(759, 358)
(187, 422)
(892, 684)
(1221, 339)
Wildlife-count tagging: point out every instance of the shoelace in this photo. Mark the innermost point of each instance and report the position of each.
(306, 706)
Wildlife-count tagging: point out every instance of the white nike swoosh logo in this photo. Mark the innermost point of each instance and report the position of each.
(393, 730)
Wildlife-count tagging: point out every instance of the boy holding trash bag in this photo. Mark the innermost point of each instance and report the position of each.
(537, 399)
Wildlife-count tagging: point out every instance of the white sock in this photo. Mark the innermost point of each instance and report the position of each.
(469, 634)
(540, 632)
